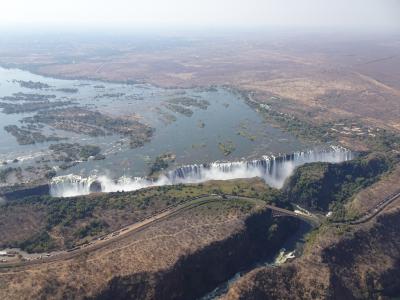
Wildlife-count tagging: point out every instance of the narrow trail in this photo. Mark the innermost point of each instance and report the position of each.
(127, 231)
(372, 212)
(376, 209)
(172, 211)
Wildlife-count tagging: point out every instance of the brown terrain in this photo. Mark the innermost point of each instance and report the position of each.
(187, 254)
(26, 220)
(68, 222)
(316, 76)
(320, 79)
(341, 261)
(155, 260)
(367, 199)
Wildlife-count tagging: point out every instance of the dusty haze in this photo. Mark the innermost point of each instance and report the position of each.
(341, 14)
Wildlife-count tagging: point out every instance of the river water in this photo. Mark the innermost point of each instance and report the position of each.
(223, 120)
(292, 248)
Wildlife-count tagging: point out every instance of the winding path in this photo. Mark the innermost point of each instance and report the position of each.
(134, 228)
(171, 211)
(376, 209)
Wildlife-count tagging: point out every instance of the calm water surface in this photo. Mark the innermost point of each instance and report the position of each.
(226, 115)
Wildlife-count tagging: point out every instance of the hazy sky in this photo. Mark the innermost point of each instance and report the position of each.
(206, 13)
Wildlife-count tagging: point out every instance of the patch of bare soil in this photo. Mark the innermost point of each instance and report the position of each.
(155, 248)
(340, 76)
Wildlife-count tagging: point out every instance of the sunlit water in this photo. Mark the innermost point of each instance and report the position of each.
(225, 117)
(273, 170)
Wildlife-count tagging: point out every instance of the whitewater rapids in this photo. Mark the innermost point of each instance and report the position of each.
(273, 170)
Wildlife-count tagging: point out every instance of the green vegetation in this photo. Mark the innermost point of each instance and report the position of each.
(244, 131)
(246, 135)
(32, 85)
(28, 97)
(318, 186)
(68, 90)
(138, 141)
(324, 186)
(297, 126)
(87, 151)
(161, 163)
(4, 173)
(179, 109)
(12, 108)
(165, 117)
(66, 213)
(384, 141)
(226, 148)
(28, 137)
(94, 228)
(67, 153)
(276, 197)
(92, 123)
(376, 139)
(41, 242)
(111, 95)
(190, 102)
(210, 89)
(75, 219)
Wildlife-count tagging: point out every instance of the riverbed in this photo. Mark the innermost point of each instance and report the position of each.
(292, 249)
(226, 130)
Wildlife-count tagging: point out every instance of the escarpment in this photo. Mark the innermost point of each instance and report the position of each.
(183, 256)
(362, 263)
(197, 273)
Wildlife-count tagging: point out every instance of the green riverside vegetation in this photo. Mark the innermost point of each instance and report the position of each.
(318, 186)
(79, 219)
(324, 186)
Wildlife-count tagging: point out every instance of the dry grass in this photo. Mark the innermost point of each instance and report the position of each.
(19, 222)
(332, 78)
(371, 196)
(339, 255)
(155, 248)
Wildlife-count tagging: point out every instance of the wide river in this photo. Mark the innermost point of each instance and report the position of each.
(195, 139)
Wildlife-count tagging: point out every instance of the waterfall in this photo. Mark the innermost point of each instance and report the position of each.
(274, 170)
(71, 185)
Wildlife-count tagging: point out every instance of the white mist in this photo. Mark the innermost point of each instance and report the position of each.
(274, 171)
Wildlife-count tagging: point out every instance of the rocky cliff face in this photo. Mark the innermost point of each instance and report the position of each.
(181, 257)
(364, 263)
(198, 273)
(19, 192)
